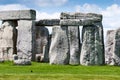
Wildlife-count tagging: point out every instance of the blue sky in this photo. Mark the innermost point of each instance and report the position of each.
(47, 9)
(53, 6)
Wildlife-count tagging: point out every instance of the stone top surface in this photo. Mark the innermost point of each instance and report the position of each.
(18, 14)
(48, 22)
(82, 16)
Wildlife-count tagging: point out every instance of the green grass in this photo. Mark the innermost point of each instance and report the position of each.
(43, 71)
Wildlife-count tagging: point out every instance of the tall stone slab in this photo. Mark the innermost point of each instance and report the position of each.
(26, 39)
(92, 51)
(8, 38)
(109, 47)
(73, 35)
(42, 43)
(113, 47)
(74, 43)
(59, 49)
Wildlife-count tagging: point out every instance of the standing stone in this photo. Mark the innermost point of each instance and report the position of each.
(74, 42)
(8, 38)
(109, 48)
(42, 43)
(59, 49)
(113, 48)
(26, 41)
(92, 51)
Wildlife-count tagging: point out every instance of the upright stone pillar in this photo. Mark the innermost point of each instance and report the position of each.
(110, 47)
(74, 42)
(42, 43)
(73, 35)
(26, 33)
(26, 39)
(113, 47)
(92, 51)
(59, 49)
(8, 38)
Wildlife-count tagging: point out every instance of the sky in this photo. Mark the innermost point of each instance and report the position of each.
(51, 9)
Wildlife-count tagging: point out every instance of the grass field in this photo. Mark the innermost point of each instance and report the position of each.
(43, 71)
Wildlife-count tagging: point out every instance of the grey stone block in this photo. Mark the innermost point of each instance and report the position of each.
(59, 49)
(22, 62)
(92, 50)
(42, 43)
(113, 47)
(82, 16)
(1, 60)
(74, 43)
(8, 39)
(26, 39)
(48, 22)
(18, 14)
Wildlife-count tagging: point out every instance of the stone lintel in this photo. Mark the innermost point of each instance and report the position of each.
(48, 22)
(18, 14)
(81, 16)
(77, 22)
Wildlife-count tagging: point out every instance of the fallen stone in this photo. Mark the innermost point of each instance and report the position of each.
(1, 60)
(22, 62)
(15, 57)
(59, 49)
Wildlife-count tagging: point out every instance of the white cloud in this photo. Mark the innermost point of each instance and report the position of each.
(45, 15)
(39, 15)
(12, 7)
(111, 15)
(88, 8)
(44, 3)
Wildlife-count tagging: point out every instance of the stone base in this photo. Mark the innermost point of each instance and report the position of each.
(1, 60)
(22, 62)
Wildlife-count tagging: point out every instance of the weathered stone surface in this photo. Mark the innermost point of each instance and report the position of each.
(8, 38)
(42, 43)
(18, 14)
(109, 47)
(15, 57)
(112, 55)
(74, 42)
(92, 51)
(1, 60)
(22, 62)
(48, 22)
(82, 16)
(26, 40)
(77, 22)
(59, 49)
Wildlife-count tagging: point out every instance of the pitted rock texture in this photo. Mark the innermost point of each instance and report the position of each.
(92, 51)
(18, 15)
(112, 55)
(26, 39)
(8, 38)
(59, 49)
(74, 43)
(22, 62)
(42, 43)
